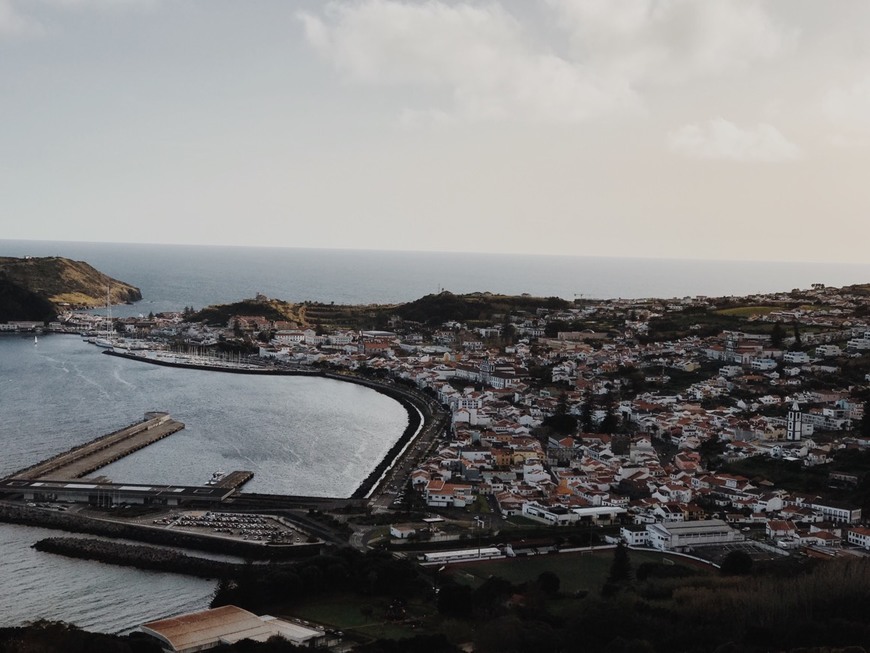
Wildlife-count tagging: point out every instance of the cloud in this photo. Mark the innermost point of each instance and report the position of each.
(101, 4)
(847, 109)
(491, 66)
(721, 139)
(479, 54)
(672, 41)
(13, 23)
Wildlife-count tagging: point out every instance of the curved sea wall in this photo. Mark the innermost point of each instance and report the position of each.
(414, 402)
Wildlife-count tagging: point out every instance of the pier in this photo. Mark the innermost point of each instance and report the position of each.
(87, 458)
(234, 480)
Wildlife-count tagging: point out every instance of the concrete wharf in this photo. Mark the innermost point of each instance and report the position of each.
(234, 480)
(98, 453)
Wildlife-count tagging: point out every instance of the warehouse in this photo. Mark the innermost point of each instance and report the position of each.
(200, 631)
(679, 536)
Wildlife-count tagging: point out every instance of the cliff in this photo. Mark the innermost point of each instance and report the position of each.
(36, 288)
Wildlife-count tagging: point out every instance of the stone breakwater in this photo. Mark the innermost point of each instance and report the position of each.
(139, 556)
(72, 523)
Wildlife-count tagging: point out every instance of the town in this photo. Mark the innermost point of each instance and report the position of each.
(692, 424)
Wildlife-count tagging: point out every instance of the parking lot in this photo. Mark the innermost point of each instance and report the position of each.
(244, 526)
(716, 553)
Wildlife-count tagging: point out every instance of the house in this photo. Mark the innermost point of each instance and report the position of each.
(635, 535)
(837, 512)
(777, 528)
(859, 536)
(440, 494)
(402, 531)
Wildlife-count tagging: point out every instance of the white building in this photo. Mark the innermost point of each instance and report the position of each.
(859, 536)
(635, 535)
(688, 534)
(795, 357)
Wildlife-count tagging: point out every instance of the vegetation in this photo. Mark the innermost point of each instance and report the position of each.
(445, 306)
(748, 311)
(658, 607)
(18, 303)
(34, 288)
(270, 309)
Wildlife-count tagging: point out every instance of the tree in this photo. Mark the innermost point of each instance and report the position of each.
(620, 574)
(777, 334)
(797, 337)
(736, 563)
(865, 420)
(610, 421)
(586, 414)
(549, 583)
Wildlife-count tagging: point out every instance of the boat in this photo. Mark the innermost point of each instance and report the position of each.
(35, 340)
(106, 342)
(216, 478)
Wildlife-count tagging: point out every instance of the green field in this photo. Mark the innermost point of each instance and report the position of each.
(748, 311)
(576, 571)
(363, 616)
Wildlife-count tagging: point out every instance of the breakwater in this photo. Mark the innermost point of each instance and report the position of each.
(72, 523)
(420, 408)
(140, 556)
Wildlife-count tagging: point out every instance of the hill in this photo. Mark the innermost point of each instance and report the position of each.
(436, 309)
(271, 309)
(37, 288)
(430, 310)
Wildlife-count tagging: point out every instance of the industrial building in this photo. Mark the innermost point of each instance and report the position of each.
(679, 536)
(201, 631)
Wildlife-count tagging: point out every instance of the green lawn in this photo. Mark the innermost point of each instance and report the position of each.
(576, 571)
(362, 615)
(748, 311)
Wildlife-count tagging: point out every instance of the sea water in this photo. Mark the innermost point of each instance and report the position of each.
(298, 435)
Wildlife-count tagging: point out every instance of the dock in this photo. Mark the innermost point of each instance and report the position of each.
(234, 480)
(87, 458)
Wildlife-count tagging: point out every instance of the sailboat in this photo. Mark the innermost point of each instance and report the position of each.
(106, 342)
(35, 340)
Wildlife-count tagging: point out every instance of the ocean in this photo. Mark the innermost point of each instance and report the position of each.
(306, 436)
(298, 435)
(174, 276)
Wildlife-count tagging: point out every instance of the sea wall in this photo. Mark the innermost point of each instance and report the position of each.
(410, 398)
(72, 523)
(139, 556)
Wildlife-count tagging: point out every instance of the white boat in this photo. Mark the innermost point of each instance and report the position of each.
(35, 340)
(216, 478)
(106, 342)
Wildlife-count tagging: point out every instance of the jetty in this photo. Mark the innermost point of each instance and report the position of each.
(234, 480)
(91, 456)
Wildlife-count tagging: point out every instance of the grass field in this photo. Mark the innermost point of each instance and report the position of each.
(748, 311)
(576, 571)
(351, 613)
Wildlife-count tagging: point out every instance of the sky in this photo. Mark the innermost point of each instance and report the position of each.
(735, 130)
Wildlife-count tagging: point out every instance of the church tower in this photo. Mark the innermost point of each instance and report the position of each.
(794, 428)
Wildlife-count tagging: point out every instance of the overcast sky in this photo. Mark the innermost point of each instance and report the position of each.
(673, 128)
